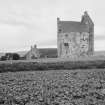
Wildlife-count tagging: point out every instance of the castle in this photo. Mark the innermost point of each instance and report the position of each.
(75, 39)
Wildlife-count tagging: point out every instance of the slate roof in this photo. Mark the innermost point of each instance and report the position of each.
(49, 52)
(72, 26)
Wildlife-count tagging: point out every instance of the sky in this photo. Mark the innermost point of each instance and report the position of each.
(27, 22)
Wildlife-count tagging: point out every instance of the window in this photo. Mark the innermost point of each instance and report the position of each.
(66, 44)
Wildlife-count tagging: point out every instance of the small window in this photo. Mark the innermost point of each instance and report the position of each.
(66, 44)
(59, 30)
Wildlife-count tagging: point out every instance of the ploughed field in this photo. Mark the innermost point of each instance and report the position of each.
(53, 82)
(53, 87)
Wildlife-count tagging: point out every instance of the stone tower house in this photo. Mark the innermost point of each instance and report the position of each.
(75, 39)
(33, 53)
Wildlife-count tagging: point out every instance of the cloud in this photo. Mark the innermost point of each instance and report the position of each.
(99, 45)
(100, 37)
(27, 22)
(99, 33)
(48, 43)
(99, 30)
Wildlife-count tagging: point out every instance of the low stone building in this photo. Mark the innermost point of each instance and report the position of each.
(75, 39)
(33, 53)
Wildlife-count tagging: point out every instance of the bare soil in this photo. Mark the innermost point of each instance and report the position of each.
(53, 87)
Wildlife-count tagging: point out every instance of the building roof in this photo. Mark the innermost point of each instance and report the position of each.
(72, 26)
(49, 52)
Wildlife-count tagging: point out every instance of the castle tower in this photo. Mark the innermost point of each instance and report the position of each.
(75, 39)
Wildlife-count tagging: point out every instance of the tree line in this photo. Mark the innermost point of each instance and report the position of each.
(10, 56)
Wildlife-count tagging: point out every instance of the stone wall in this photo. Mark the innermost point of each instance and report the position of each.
(73, 44)
(75, 39)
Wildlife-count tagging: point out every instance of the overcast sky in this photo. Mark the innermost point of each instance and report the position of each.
(27, 22)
